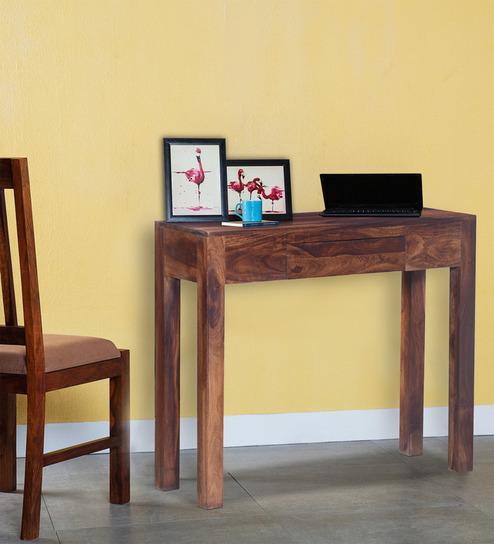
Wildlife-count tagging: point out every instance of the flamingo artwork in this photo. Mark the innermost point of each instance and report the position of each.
(196, 175)
(253, 185)
(238, 185)
(275, 194)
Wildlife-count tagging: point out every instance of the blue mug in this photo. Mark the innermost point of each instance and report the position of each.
(250, 211)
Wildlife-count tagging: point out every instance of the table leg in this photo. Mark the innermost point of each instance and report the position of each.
(461, 354)
(210, 377)
(167, 376)
(412, 362)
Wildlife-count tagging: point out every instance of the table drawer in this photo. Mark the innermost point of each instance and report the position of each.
(322, 258)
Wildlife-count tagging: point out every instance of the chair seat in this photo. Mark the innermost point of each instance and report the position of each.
(61, 351)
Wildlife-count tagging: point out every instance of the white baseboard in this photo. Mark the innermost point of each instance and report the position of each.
(265, 429)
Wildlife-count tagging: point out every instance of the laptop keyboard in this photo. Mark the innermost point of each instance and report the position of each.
(371, 211)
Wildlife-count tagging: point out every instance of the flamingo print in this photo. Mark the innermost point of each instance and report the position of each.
(196, 175)
(275, 194)
(238, 185)
(252, 186)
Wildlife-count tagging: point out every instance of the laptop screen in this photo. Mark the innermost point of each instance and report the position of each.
(372, 190)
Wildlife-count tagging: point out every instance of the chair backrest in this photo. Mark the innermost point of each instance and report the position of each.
(14, 175)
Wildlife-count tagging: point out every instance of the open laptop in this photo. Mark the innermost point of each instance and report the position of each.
(372, 195)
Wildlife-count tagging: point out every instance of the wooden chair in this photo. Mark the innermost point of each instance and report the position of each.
(33, 364)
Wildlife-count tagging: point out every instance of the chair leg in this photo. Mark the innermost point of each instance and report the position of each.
(31, 508)
(119, 427)
(8, 472)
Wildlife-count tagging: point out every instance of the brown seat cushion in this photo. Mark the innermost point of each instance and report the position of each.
(61, 351)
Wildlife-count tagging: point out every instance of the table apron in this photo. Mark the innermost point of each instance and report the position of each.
(273, 256)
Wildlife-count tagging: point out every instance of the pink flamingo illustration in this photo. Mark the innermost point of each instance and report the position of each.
(275, 194)
(195, 175)
(252, 186)
(238, 185)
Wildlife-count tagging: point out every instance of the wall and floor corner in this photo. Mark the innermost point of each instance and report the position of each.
(88, 89)
(269, 429)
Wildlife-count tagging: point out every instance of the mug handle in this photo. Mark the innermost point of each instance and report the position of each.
(238, 210)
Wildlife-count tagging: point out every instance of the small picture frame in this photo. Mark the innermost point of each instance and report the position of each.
(195, 179)
(267, 179)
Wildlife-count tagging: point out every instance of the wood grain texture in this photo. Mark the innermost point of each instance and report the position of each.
(311, 246)
(434, 246)
(65, 454)
(289, 250)
(35, 356)
(120, 433)
(179, 252)
(29, 276)
(68, 377)
(33, 472)
(36, 382)
(322, 258)
(167, 372)
(78, 375)
(337, 228)
(210, 373)
(412, 362)
(255, 257)
(8, 465)
(461, 353)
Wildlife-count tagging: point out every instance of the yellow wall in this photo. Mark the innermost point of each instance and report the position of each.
(88, 88)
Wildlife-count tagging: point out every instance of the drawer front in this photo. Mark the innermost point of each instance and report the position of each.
(322, 258)
(255, 257)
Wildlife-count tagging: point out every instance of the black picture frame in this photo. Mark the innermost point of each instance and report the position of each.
(285, 164)
(168, 143)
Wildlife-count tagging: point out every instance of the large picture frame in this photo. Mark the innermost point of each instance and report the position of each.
(195, 179)
(267, 179)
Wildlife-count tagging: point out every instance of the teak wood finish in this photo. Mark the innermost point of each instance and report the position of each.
(36, 382)
(309, 246)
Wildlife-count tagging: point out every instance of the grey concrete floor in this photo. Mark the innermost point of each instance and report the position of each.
(342, 493)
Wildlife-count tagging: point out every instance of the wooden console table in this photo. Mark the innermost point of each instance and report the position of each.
(309, 246)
